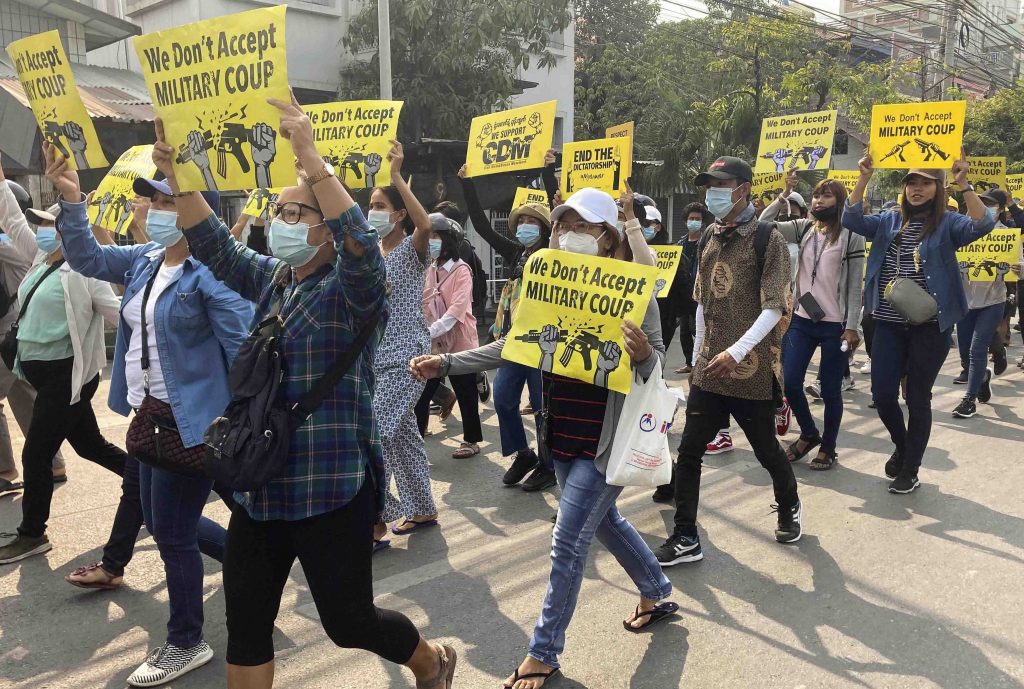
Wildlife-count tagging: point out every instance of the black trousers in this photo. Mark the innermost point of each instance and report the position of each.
(54, 420)
(867, 323)
(706, 413)
(334, 550)
(687, 329)
(469, 405)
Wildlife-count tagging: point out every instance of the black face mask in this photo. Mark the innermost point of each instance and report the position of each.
(825, 214)
(919, 208)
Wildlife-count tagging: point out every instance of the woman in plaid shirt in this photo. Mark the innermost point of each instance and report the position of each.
(323, 508)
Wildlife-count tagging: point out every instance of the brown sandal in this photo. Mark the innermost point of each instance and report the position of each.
(824, 461)
(466, 450)
(445, 671)
(85, 578)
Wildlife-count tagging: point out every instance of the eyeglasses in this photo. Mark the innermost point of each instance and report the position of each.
(290, 212)
(578, 226)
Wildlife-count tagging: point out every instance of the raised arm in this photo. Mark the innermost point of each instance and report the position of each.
(853, 214)
(642, 253)
(508, 249)
(417, 213)
(549, 177)
(13, 221)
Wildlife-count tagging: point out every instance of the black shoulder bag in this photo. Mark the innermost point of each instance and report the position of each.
(153, 436)
(9, 347)
(248, 446)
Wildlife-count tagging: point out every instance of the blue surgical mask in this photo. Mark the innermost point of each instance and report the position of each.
(528, 234)
(719, 201)
(380, 221)
(288, 243)
(649, 233)
(694, 225)
(162, 227)
(435, 249)
(47, 239)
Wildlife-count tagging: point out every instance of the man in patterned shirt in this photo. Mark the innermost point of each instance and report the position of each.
(741, 299)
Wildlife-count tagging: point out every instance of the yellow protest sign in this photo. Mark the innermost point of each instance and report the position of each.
(796, 142)
(1015, 186)
(209, 82)
(570, 315)
(767, 186)
(668, 262)
(45, 75)
(111, 206)
(928, 135)
(510, 140)
(256, 206)
(984, 173)
(985, 259)
(527, 195)
(355, 137)
(597, 163)
(624, 131)
(848, 178)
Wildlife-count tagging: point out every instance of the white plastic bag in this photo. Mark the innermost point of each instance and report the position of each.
(640, 454)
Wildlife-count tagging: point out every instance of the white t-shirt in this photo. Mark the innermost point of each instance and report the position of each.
(132, 314)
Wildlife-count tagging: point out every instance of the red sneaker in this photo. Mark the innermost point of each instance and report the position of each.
(721, 443)
(783, 417)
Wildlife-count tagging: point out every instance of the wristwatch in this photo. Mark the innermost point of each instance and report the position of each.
(969, 187)
(319, 176)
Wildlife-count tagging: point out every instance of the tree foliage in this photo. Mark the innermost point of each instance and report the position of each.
(995, 127)
(452, 60)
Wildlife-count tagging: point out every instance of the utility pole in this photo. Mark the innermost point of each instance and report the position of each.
(949, 39)
(384, 47)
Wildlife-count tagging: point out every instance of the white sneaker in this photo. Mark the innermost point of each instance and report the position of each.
(814, 390)
(866, 368)
(848, 383)
(170, 662)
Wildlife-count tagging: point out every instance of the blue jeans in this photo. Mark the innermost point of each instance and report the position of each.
(508, 392)
(587, 507)
(973, 335)
(802, 339)
(919, 352)
(173, 509)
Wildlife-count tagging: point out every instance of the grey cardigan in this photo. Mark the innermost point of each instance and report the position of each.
(488, 357)
(851, 272)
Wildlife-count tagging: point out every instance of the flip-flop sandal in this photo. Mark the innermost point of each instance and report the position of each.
(795, 455)
(829, 461)
(97, 585)
(466, 450)
(10, 486)
(380, 545)
(414, 526)
(532, 675)
(660, 612)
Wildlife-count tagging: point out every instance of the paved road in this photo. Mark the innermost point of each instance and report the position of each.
(883, 591)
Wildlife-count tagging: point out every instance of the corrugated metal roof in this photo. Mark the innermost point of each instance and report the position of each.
(117, 94)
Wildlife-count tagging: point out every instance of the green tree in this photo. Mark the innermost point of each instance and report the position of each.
(995, 127)
(452, 61)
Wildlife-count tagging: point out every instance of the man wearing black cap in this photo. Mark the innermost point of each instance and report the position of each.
(17, 249)
(736, 362)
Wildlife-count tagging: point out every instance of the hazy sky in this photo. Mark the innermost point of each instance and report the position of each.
(672, 10)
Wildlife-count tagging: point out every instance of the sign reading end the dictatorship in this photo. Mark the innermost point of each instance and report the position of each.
(510, 140)
(45, 75)
(209, 82)
(599, 163)
(355, 137)
(526, 195)
(570, 316)
(796, 142)
(111, 206)
(926, 135)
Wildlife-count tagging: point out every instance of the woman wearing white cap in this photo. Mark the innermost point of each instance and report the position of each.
(581, 420)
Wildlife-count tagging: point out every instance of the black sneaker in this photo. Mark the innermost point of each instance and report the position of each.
(483, 387)
(523, 464)
(22, 547)
(789, 528)
(985, 392)
(541, 478)
(904, 484)
(664, 494)
(999, 362)
(966, 409)
(894, 466)
(679, 549)
(961, 379)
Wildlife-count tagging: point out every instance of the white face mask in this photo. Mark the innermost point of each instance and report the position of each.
(620, 227)
(380, 221)
(578, 243)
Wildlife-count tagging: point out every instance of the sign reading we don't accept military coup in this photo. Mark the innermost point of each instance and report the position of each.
(209, 82)
(926, 135)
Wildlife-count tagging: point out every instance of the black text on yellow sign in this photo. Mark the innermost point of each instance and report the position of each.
(991, 257)
(796, 142)
(598, 164)
(510, 140)
(925, 135)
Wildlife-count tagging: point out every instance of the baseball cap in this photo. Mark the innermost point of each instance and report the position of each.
(593, 205)
(442, 223)
(927, 173)
(653, 214)
(149, 188)
(38, 217)
(995, 195)
(797, 200)
(726, 167)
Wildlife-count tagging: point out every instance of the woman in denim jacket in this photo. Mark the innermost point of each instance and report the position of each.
(195, 326)
(917, 242)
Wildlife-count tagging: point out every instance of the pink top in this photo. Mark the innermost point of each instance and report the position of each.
(826, 283)
(448, 307)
